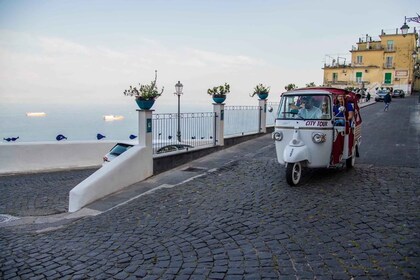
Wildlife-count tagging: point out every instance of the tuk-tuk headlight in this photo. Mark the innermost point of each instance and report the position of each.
(318, 137)
(278, 135)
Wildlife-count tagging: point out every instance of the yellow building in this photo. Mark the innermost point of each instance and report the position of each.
(386, 62)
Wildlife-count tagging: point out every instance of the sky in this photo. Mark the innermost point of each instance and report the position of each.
(89, 51)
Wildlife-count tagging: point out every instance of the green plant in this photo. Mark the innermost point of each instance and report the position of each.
(260, 89)
(145, 92)
(220, 90)
(290, 87)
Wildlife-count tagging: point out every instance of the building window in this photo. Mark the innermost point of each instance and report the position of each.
(388, 78)
(388, 63)
(335, 77)
(359, 59)
(359, 77)
(390, 45)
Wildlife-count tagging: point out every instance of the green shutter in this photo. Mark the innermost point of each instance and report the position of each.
(358, 77)
(388, 78)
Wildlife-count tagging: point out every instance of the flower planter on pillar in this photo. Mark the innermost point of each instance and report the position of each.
(261, 91)
(145, 95)
(262, 96)
(219, 93)
(219, 99)
(145, 104)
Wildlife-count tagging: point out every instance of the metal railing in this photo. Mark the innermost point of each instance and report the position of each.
(241, 120)
(197, 130)
(372, 46)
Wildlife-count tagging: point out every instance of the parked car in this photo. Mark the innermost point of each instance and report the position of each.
(173, 148)
(398, 93)
(117, 150)
(380, 95)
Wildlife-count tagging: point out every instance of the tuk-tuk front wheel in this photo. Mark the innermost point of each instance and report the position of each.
(293, 173)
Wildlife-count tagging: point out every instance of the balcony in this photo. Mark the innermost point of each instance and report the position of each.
(365, 47)
(389, 65)
(345, 83)
(336, 82)
(336, 65)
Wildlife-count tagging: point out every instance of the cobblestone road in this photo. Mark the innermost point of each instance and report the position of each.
(239, 222)
(39, 193)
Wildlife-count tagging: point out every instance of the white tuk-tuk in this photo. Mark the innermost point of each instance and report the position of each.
(317, 128)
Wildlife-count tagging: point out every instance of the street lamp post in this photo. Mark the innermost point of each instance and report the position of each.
(405, 27)
(178, 92)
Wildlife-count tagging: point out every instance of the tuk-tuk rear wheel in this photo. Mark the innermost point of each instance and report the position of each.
(293, 173)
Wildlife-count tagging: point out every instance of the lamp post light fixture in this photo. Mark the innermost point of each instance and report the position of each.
(405, 27)
(178, 92)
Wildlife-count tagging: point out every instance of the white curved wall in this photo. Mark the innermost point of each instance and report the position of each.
(134, 165)
(45, 156)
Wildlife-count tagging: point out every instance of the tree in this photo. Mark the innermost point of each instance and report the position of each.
(311, 84)
(290, 87)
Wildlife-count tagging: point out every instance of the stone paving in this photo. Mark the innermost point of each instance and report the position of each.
(49, 192)
(241, 221)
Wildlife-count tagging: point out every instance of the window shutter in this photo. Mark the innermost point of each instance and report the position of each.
(388, 78)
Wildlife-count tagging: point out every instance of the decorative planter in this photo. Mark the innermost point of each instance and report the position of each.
(262, 96)
(145, 104)
(219, 98)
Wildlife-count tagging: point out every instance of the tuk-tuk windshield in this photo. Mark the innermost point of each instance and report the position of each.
(312, 107)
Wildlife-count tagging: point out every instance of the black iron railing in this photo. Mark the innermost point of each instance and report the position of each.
(197, 130)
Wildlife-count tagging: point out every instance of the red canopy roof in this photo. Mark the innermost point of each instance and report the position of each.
(349, 97)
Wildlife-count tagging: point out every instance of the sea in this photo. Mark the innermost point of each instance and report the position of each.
(85, 122)
(75, 122)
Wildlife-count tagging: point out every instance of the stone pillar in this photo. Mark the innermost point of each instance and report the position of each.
(263, 115)
(219, 110)
(145, 129)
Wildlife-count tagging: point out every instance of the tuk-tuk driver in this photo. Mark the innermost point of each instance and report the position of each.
(309, 111)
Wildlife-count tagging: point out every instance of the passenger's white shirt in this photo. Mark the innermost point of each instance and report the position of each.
(313, 113)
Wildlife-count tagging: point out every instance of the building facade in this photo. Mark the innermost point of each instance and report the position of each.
(389, 61)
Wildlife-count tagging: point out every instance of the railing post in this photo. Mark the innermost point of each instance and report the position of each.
(219, 111)
(145, 132)
(263, 115)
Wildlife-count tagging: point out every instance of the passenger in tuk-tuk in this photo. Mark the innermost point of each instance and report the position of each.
(309, 111)
(325, 109)
(340, 114)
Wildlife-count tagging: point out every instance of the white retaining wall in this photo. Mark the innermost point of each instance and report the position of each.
(134, 165)
(48, 156)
